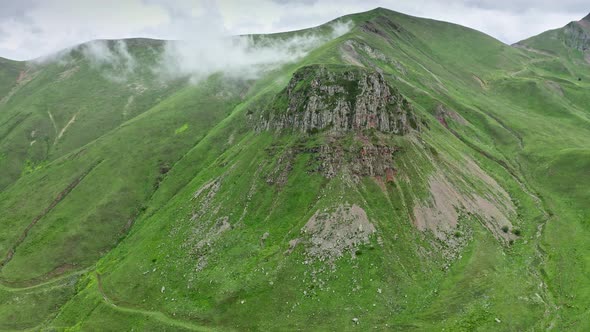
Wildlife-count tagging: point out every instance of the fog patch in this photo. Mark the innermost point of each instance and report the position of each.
(112, 59)
(245, 57)
(207, 51)
(62, 58)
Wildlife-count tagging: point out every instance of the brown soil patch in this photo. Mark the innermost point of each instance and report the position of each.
(440, 215)
(481, 82)
(443, 114)
(555, 87)
(350, 55)
(21, 76)
(501, 196)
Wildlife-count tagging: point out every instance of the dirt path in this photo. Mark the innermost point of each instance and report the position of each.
(154, 314)
(48, 284)
(53, 122)
(61, 133)
(527, 66)
(534, 50)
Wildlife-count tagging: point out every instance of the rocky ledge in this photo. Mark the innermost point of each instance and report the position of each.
(338, 99)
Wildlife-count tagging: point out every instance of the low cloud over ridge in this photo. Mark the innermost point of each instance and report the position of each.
(243, 56)
(209, 52)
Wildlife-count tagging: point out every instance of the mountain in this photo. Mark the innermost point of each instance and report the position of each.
(572, 41)
(407, 174)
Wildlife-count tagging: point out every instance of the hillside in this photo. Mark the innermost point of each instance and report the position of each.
(571, 42)
(407, 174)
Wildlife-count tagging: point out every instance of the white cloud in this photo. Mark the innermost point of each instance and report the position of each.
(211, 52)
(31, 28)
(48, 26)
(116, 63)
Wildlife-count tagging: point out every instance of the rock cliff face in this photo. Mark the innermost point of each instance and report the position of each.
(374, 160)
(577, 35)
(338, 99)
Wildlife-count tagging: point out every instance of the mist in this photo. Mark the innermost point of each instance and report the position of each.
(204, 52)
(245, 57)
(115, 63)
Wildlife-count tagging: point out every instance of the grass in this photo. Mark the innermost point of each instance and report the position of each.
(142, 234)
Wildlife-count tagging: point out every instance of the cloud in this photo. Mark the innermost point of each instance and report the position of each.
(39, 27)
(244, 57)
(31, 28)
(113, 61)
(15, 9)
(208, 51)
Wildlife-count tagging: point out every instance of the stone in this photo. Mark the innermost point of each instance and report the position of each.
(576, 36)
(338, 99)
(263, 238)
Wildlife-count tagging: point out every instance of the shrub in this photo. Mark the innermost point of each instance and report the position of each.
(505, 229)
(517, 231)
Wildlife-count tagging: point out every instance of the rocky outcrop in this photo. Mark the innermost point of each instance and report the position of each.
(369, 160)
(577, 36)
(330, 234)
(338, 99)
(356, 156)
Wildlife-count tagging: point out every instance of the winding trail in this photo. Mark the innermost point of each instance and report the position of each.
(49, 284)
(153, 314)
(62, 132)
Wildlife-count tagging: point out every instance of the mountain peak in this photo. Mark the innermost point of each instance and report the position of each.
(587, 18)
(339, 98)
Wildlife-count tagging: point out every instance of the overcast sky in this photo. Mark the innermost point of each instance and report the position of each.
(32, 28)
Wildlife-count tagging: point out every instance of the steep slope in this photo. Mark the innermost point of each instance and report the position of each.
(60, 216)
(410, 174)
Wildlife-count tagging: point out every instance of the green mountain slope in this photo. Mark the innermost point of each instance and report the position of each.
(571, 42)
(409, 174)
